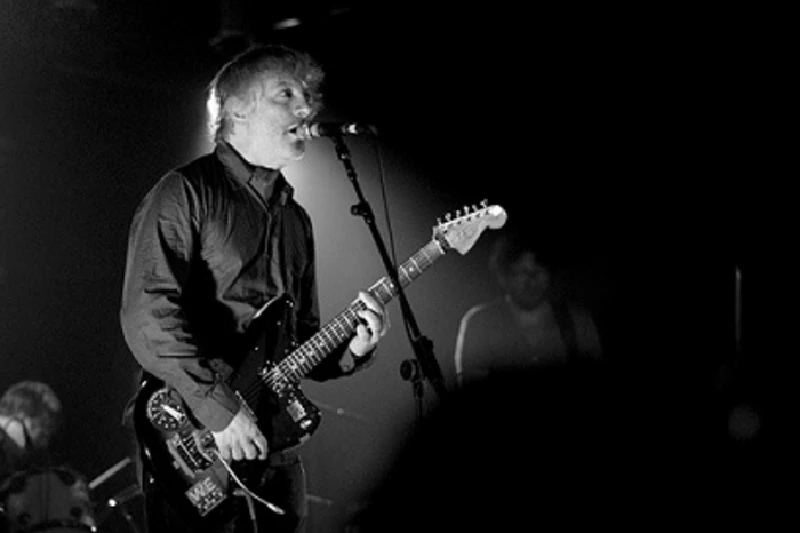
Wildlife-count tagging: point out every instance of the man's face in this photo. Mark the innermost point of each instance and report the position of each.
(527, 282)
(280, 108)
(36, 431)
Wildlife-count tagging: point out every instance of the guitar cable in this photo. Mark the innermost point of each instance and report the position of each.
(271, 506)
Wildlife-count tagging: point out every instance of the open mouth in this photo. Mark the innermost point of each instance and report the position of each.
(296, 130)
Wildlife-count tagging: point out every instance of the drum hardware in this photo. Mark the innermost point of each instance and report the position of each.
(119, 500)
(47, 500)
(102, 478)
(116, 503)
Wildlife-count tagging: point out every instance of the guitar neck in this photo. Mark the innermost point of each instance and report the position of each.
(341, 328)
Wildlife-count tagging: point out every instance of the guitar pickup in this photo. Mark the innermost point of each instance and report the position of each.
(296, 410)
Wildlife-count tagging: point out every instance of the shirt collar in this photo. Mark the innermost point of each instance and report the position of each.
(246, 173)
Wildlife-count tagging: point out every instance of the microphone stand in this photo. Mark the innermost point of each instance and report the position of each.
(426, 365)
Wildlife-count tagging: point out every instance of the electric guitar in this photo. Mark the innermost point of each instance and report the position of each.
(180, 452)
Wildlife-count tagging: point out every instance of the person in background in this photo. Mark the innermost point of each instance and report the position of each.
(532, 324)
(30, 415)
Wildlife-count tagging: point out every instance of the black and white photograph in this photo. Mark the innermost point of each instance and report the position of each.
(377, 267)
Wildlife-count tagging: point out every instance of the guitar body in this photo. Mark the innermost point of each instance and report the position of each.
(179, 452)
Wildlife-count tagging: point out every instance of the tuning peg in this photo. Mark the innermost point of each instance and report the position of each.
(484, 203)
(439, 221)
(466, 210)
(447, 217)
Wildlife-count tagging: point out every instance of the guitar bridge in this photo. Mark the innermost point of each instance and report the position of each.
(187, 454)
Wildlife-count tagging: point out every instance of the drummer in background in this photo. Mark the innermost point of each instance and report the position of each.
(53, 497)
(30, 413)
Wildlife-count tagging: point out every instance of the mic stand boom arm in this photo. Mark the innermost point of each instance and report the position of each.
(423, 347)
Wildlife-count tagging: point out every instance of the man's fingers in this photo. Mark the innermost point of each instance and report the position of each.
(371, 303)
(236, 452)
(250, 450)
(363, 332)
(263, 448)
(373, 323)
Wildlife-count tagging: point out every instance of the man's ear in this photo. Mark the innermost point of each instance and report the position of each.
(238, 109)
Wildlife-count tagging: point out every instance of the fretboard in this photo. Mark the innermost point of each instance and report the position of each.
(341, 328)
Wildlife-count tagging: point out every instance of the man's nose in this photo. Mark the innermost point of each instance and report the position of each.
(302, 110)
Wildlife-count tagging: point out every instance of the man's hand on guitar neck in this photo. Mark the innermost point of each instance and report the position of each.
(373, 326)
(241, 439)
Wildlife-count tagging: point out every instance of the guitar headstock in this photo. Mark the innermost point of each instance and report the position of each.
(462, 231)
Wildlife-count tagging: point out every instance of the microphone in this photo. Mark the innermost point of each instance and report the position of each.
(308, 131)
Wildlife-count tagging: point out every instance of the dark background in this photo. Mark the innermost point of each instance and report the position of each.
(631, 138)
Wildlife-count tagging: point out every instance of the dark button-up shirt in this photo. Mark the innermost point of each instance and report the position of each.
(211, 243)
